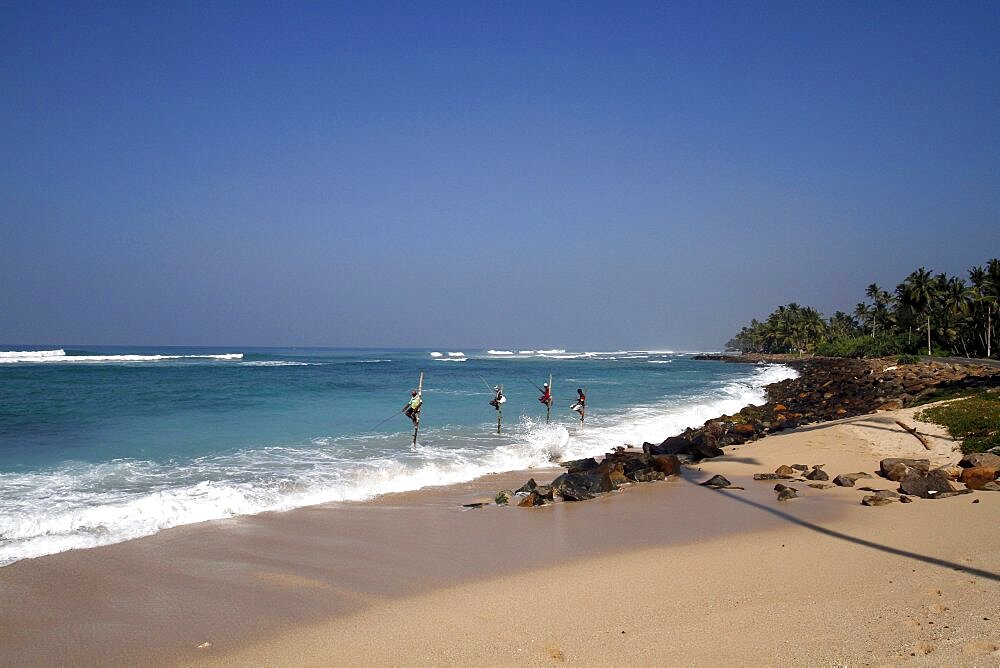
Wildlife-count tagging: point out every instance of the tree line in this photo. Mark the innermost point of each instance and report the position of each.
(927, 313)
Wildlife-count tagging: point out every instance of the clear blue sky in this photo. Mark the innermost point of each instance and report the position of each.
(594, 175)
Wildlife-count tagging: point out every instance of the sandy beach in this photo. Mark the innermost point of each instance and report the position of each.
(660, 573)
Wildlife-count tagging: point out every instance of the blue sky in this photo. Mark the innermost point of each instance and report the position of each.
(483, 174)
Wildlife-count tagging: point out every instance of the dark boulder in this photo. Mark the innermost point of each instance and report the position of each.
(925, 486)
(785, 471)
(666, 464)
(785, 493)
(717, 481)
(648, 475)
(848, 479)
(817, 474)
(579, 486)
(527, 487)
(580, 465)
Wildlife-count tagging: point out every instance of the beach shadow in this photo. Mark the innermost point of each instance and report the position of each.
(988, 575)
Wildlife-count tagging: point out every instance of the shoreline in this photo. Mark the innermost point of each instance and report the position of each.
(256, 587)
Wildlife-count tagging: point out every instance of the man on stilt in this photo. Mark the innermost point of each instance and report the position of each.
(412, 408)
(546, 397)
(498, 397)
(581, 403)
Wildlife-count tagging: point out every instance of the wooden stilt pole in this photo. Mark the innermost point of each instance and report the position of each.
(499, 411)
(420, 393)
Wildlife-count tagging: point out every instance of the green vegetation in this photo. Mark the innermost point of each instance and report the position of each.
(926, 314)
(907, 359)
(976, 420)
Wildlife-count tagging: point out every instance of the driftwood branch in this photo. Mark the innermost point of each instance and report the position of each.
(913, 431)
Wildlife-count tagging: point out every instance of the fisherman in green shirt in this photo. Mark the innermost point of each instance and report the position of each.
(412, 407)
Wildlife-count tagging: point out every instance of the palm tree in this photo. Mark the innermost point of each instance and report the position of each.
(957, 296)
(984, 300)
(920, 294)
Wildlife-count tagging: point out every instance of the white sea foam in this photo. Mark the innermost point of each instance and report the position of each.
(436, 354)
(451, 359)
(60, 356)
(278, 363)
(80, 505)
(525, 352)
(458, 354)
(499, 352)
(659, 361)
(31, 353)
(553, 351)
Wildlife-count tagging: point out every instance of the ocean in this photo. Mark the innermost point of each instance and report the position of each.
(100, 445)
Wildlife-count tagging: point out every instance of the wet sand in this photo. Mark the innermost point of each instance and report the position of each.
(666, 572)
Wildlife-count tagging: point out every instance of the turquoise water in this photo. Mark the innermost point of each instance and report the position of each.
(99, 445)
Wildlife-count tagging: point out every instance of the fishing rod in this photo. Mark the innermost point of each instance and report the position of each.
(485, 382)
(532, 383)
(387, 419)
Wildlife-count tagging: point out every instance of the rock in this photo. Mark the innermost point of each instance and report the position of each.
(573, 487)
(895, 468)
(820, 485)
(893, 405)
(649, 475)
(503, 497)
(743, 429)
(979, 459)
(787, 493)
(580, 465)
(527, 487)
(614, 469)
(977, 476)
(990, 487)
(768, 476)
(785, 471)
(544, 491)
(476, 504)
(953, 471)
(884, 493)
(817, 474)
(800, 467)
(667, 464)
(716, 481)
(848, 479)
(957, 492)
(926, 486)
(873, 500)
(905, 499)
(532, 499)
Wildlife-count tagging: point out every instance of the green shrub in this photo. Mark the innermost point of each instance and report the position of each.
(861, 346)
(907, 359)
(975, 420)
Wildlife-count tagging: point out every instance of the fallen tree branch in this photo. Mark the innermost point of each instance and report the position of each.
(913, 431)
